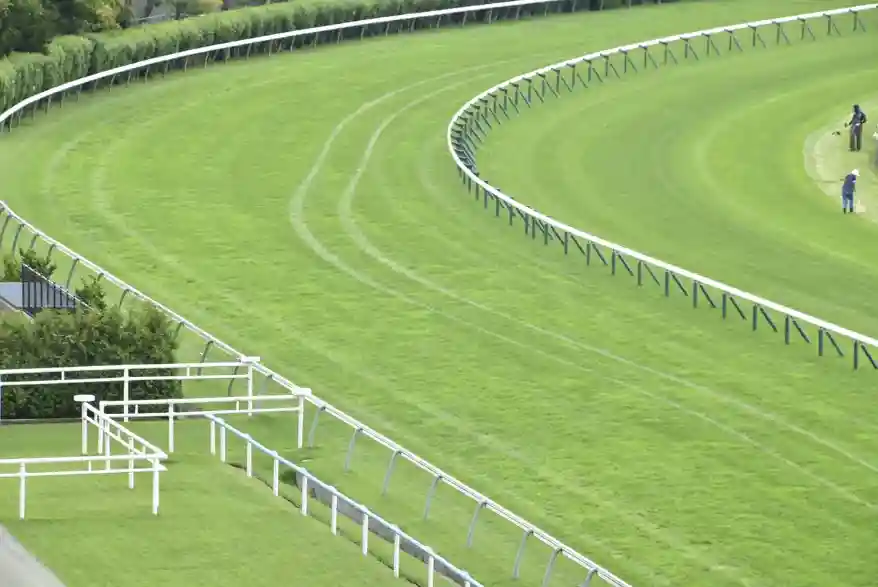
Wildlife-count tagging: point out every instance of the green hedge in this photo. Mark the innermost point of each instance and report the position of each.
(70, 57)
(98, 336)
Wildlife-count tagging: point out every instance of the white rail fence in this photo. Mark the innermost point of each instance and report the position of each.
(286, 41)
(25, 235)
(209, 406)
(312, 489)
(127, 375)
(138, 456)
(470, 125)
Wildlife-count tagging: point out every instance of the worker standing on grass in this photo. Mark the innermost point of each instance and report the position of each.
(858, 121)
(847, 191)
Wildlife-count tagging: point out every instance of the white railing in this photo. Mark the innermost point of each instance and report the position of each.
(313, 488)
(495, 11)
(128, 374)
(137, 451)
(481, 502)
(207, 406)
(474, 119)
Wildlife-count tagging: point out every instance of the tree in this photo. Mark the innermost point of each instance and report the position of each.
(88, 16)
(25, 25)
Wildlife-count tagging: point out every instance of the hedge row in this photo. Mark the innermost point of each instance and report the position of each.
(97, 336)
(71, 57)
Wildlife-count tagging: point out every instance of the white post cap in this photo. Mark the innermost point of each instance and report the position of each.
(84, 397)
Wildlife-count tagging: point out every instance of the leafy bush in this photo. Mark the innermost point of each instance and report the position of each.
(70, 57)
(101, 335)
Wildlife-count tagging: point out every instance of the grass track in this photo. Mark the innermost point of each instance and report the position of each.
(596, 410)
(216, 526)
(717, 153)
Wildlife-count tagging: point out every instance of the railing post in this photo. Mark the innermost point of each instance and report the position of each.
(223, 444)
(131, 462)
(212, 437)
(275, 476)
(396, 549)
(431, 568)
(126, 391)
(365, 533)
(304, 494)
(333, 517)
(84, 400)
(249, 449)
(171, 427)
(107, 450)
(300, 431)
(155, 487)
(22, 490)
(250, 361)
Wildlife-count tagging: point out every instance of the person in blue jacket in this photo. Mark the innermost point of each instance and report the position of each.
(847, 191)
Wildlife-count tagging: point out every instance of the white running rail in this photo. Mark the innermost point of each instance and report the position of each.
(313, 488)
(473, 118)
(481, 502)
(411, 18)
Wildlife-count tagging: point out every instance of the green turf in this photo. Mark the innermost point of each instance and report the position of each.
(668, 445)
(718, 153)
(215, 526)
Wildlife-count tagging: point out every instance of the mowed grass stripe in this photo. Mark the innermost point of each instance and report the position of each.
(595, 409)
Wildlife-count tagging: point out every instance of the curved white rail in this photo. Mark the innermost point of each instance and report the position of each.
(163, 59)
(479, 108)
(528, 530)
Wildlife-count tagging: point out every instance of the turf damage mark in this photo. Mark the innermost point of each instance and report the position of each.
(827, 160)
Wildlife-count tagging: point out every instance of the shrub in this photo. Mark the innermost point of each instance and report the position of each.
(100, 335)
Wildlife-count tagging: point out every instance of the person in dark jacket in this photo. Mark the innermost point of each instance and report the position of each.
(857, 123)
(847, 191)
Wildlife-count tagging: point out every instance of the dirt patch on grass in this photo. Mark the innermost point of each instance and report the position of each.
(828, 160)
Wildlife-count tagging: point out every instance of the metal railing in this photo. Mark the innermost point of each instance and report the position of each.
(20, 231)
(474, 120)
(128, 374)
(136, 450)
(207, 406)
(338, 503)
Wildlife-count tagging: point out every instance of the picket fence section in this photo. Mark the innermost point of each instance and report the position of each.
(474, 120)
(25, 235)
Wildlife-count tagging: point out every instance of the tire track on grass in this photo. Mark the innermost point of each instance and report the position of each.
(350, 227)
(301, 228)
(725, 398)
(621, 512)
(345, 212)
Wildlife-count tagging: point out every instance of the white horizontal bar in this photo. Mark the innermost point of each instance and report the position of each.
(81, 459)
(201, 413)
(79, 473)
(75, 381)
(199, 400)
(513, 203)
(137, 367)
